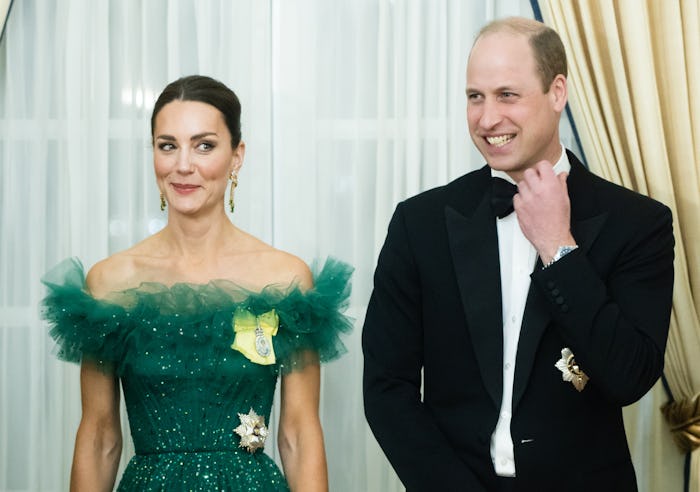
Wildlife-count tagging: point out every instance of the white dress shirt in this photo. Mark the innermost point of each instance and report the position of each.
(517, 258)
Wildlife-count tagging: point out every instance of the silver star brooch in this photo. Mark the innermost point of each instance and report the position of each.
(570, 370)
(252, 430)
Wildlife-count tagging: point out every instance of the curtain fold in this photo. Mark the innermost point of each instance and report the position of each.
(634, 97)
(5, 6)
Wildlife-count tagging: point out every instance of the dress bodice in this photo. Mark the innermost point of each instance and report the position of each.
(184, 370)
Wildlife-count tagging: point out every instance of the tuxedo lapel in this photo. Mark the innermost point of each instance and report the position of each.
(586, 223)
(473, 241)
(535, 319)
(474, 249)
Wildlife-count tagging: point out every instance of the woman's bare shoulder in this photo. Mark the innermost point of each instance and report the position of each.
(120, 271)
(274, 266)
(112, 274)
(285, 269)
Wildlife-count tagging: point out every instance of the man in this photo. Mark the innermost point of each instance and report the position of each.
(528, 330)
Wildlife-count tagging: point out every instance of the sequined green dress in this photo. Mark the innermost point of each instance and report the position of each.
(184, 385)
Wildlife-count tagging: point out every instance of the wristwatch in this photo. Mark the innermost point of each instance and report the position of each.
(561, 252)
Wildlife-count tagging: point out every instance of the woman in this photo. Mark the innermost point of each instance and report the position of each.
(198, 321)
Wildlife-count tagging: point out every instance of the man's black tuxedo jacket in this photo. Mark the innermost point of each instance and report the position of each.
(436, 307)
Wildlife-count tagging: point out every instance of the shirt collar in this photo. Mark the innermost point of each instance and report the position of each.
(562, 166)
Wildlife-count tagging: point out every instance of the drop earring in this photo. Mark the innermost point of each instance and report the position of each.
(162, 201)
(234, 182)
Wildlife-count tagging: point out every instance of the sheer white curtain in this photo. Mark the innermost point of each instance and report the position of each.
(348, 107)
(369, 108)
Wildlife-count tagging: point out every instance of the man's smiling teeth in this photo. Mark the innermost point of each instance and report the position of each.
(500, 140)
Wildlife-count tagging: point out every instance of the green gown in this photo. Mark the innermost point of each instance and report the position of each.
(184, 384)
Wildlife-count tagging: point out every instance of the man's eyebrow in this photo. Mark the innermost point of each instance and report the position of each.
(503, 88)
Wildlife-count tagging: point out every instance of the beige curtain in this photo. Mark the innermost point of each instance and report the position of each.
(634, 92)
(4, 10)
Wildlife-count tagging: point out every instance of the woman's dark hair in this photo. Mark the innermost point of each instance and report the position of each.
(207, 90)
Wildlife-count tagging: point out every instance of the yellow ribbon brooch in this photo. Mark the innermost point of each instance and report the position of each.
(253, 335)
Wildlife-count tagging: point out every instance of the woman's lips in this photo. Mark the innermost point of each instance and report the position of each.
(184, 189)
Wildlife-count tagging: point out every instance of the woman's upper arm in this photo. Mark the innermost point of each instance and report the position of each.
(300, 391)
(99, 387)
(99, 391)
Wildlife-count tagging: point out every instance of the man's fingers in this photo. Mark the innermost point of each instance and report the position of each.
(562, 180)
(544, 168)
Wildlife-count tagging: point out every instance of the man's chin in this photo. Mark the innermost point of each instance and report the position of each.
(502, 165)
(498, 158)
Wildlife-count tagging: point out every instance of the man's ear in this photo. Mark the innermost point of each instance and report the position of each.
(558, 92)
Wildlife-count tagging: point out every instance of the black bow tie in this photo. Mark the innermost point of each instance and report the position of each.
(502, 197)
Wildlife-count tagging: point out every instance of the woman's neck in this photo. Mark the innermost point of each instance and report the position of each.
(195, 239)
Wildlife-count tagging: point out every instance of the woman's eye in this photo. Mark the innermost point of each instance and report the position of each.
(166, 146)
(205, 146)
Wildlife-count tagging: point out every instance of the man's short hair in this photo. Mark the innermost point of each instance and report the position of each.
(548, 50)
